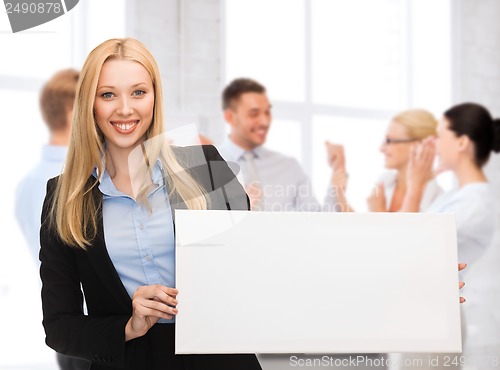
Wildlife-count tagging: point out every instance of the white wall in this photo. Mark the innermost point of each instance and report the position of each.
(185, 37)
(478, 79)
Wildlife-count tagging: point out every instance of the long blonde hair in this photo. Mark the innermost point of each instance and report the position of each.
(419, 123)
(74, 208)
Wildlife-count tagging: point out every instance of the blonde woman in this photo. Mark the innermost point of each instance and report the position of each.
(404, 131)
(108, 220)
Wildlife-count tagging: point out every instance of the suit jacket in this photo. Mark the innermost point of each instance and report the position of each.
(65, 270)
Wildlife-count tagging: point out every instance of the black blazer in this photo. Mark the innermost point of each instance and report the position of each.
(100, 336)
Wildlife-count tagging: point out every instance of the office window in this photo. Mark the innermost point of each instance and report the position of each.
(24, 54)
(285, 137)
(357, 53)
(261, 35)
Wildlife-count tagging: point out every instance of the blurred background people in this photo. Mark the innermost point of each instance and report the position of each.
(405, 130)
(466, 136)
(56, 105)
(273, 181)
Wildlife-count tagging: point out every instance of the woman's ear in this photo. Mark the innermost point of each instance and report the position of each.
(465, 145)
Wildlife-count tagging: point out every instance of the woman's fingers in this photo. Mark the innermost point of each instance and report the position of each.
(414, 152)
(421, 162)
(335, 155)
(149, 304)
(155, 300)
(422, 154)
(144, 312)
(160, 306)
(171, 292)
(461, 284)
(163, 293)
(428, 152)
(151, 307)
(412, 159)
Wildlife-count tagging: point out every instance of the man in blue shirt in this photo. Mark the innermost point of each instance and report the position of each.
(56, 105)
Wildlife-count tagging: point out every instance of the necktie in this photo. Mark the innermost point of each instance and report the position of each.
(252, 182)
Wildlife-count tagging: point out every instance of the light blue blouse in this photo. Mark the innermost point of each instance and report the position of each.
(140, 242)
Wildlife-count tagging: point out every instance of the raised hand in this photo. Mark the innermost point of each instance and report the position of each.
(420, 166)
(335, 156)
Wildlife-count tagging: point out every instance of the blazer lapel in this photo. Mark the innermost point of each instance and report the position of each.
(176, 202)
(100, 260)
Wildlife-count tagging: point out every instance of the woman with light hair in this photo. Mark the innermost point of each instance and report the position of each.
(107, 220)
(404, 131)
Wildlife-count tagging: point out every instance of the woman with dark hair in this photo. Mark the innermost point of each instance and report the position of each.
(466, 136)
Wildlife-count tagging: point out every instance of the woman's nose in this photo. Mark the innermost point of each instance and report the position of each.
(125, 108)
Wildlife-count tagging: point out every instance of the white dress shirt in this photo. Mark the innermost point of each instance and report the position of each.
(474, 209)
(285, 187)
(139, 240)
(431, 193)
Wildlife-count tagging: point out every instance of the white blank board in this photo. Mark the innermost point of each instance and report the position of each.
(299, 282)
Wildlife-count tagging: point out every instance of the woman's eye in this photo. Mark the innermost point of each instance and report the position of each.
(139, 92)
(107, 95)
